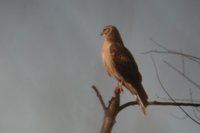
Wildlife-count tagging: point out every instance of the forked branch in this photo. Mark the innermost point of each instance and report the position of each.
(111, 111)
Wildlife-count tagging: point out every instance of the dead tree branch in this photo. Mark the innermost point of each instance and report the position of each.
(100, 97)
(114, 107)
(168, 51)
(172, 52)
(157, 103)
(163, 88)
(177, 99)
(110, 112)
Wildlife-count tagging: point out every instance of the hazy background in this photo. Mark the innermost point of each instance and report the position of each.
(50, 57)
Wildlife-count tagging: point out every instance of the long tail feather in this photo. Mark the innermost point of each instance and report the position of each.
(140, 93)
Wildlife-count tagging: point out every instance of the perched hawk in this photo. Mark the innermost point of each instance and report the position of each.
(119, 63)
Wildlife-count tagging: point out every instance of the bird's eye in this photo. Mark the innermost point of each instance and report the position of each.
(104, 30)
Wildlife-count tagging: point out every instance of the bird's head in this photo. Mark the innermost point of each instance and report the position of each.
(109, 30)
(111, 33)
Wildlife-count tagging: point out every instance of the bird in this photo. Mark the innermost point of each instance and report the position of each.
(120, 64)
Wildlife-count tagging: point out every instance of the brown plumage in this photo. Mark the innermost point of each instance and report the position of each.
(119, 63)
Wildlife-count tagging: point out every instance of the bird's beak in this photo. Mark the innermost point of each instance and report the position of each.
(101, 34)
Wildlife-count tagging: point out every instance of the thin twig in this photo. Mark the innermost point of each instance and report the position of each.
(171, 52)
(182, 74)
(177, 99)
(167, 51)
(174, 52)
(158, 77)
(158, 44)
(193, 109)
(183, 64)
(100, 97)
(193, 58)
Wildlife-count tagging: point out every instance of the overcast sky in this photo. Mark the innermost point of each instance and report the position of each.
(50, 57)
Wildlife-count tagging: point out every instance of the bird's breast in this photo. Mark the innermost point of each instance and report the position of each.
(108, 61)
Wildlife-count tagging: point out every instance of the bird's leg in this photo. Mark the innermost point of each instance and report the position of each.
(120, 87)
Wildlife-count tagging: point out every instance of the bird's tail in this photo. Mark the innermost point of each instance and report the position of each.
(138, 90)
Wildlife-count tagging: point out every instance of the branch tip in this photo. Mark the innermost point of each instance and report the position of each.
(100, 97)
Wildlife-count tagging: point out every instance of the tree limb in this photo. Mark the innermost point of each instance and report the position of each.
(168, 51)
(174, 52)
(100, 97)
(157, 103)
(111, 112)
(159, 80)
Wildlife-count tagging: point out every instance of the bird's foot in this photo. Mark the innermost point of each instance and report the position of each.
(119, 90)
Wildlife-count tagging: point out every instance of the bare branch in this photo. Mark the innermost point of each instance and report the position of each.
(100, 97)
(177, 99)
(158, 44)
(174, 52)
(157, 103)
(110, 114)
(158, 77)
(167, 51)
(193, 109)
(183, 64)
(182, 74)
(193, 58)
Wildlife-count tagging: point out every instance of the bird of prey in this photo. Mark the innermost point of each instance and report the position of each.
(120, 64)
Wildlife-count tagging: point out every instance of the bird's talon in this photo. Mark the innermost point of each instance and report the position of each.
(120, 90)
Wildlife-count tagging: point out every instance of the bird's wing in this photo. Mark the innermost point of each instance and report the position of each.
(125, 63)
(127, 68)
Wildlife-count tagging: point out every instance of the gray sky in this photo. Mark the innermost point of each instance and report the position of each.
(50, 57)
